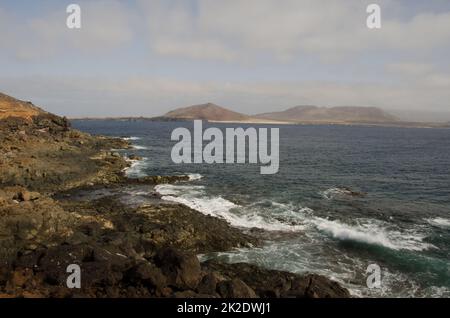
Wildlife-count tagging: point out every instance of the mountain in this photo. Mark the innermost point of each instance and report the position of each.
(341, 114)
(298, 114)
(207, 111)
(11, 107)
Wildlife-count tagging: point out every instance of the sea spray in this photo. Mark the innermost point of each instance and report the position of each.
(196, 198)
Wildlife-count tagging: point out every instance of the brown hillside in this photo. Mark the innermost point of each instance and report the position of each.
(207, 111)
(11, 107)
(343, 114)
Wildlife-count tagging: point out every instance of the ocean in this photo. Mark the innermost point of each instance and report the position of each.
(345, 197)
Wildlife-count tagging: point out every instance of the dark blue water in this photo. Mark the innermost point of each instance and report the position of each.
(310, 221)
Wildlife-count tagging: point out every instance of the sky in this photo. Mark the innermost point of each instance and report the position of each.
(146, 57)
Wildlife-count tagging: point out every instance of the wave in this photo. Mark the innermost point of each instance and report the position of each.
(138, 147)
(194, 176)
(273, 216)
(372, 232)
(178, 190)
(136, 168)
(334, 192)
(131, 138)
(236, 215)
(439, 222)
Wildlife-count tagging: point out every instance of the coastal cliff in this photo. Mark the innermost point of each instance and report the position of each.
(62, 202)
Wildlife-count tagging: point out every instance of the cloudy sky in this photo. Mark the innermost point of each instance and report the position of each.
(145, 57)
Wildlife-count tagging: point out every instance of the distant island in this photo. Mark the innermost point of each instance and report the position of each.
(309, 114)
(342, 114)
(209, 111)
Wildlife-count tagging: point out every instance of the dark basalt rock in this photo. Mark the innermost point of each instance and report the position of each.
(148, 274)
(208, 283)
(182, 270)
(134, 157)
(350, 192)
(272, 283)
(235, 288)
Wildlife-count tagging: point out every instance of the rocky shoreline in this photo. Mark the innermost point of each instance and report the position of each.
(64, 199)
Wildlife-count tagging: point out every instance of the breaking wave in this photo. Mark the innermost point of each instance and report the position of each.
(131, 138)
(238, 216)
(137, 147)
(439, 222)
(372, 232)
(136, 168)
(273, 216)
(334, 192)
(194, 176)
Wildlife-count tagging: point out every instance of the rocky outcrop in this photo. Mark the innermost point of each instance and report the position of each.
(275, 284)
(29, 220)
(44, 154)
(182, 270)
(14, 108)
(171, 273)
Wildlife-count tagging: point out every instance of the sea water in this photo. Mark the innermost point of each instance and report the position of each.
(345, 197)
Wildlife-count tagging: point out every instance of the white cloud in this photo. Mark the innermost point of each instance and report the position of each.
(425, 31)
(194, 48)
(410, 68)
(439, 80)
(105, 25)
(422, 74)
(327, 28)
(232, 30)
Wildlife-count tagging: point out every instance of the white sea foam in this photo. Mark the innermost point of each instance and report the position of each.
(439, 222)
(437, 292)
(331, 193)
(372, 232)
(195, 198)
(136, 168)
(131, 138)
(273, 216)
(178, 190)
(138, 147)
(194, 176)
